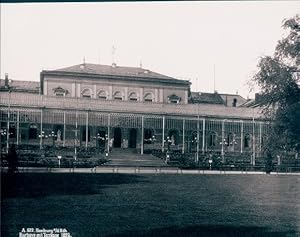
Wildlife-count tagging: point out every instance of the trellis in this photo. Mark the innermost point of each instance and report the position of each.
(75, 122)
(125, 121)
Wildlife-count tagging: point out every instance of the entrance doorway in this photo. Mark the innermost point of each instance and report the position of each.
(132, 138)
(117, 137)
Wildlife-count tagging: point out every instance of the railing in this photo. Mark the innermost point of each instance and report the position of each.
(209, 110)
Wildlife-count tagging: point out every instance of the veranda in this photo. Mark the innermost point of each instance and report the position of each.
(79, 129)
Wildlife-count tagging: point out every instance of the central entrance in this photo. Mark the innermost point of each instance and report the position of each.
(117, 137)
(132, 138)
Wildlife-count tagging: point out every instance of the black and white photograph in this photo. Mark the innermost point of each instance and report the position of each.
(151, 118)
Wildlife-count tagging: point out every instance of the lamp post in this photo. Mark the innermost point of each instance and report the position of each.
(223, 143)
(42, 136)
(105, 145)
(53, 136)
(8, 122)
(168, 141)
(195, 141)
(75, 145)
(210, 161)
(151, 139)
(2, 134)
(105, 139)
(233, 142)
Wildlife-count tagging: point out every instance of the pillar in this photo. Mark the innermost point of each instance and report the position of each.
(108, 133)
(163, 135)
(260, 137)
(183, 139)
(198, 138)
(76, 135)
(7, 131)
(41, 130)
(223, 131)
(242, 135)
(203, 136)
(18, 126)
(86, 130)
(253, 142)
(64, 134)
(142, 137)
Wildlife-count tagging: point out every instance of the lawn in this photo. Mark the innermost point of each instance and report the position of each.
(152, 205)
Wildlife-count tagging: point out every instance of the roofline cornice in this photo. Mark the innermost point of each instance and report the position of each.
(116, 77)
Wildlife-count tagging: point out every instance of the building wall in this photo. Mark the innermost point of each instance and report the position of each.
(75, 87)
(49, 87)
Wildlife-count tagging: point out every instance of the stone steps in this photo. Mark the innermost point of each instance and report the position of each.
(127, 157)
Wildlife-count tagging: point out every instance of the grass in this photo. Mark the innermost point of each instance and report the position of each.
(152, 205)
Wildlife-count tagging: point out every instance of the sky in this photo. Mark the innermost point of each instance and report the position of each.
(215, 45)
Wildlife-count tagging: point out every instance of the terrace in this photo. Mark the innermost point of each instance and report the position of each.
(204, 110)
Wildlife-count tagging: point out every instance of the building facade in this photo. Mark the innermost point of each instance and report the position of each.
(96, 106)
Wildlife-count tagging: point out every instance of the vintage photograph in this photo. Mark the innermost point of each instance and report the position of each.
(153, 118)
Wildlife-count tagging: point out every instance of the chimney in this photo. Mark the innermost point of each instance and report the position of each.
(6, 81)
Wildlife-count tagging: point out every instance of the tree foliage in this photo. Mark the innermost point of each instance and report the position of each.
(278, 77)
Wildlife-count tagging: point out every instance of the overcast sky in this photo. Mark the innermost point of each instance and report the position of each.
(180, 39)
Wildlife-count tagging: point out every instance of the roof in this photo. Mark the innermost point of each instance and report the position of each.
(114, 70)
(130, 107)
(28, 86)
(204, 97)
(228, 99)
(251, 103)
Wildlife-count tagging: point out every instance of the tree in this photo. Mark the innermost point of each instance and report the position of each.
(278, 77)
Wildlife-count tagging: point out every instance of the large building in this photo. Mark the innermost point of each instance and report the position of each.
(90, 106)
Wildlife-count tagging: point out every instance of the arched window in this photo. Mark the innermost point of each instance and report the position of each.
(58, 91)
(247, 140)
(102, 95)
(148, 97)
(174, 99)
(118, 96)
(212, 139)
(86, 93)
(133, 96)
